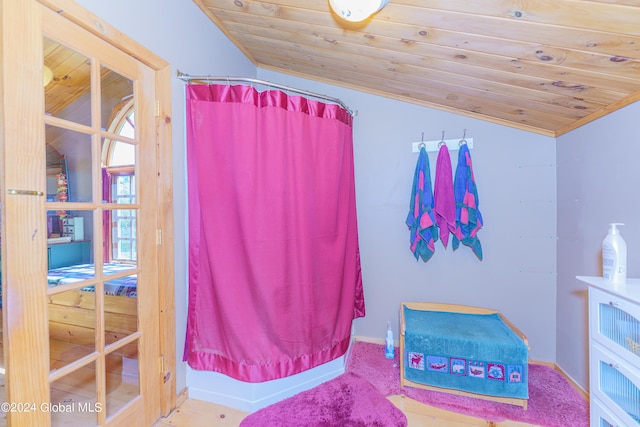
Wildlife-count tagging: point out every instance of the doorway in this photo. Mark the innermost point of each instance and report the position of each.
(90, 284)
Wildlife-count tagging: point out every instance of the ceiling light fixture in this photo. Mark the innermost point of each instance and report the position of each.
(356, 10)
(48, 75)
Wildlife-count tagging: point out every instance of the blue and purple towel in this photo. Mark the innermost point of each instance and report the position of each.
(468, 217)
(420, 220)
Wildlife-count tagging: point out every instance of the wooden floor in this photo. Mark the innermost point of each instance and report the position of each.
(79, 387)
(196, 413)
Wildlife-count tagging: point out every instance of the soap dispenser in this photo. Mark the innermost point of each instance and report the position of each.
(614, 256)
(389, 347)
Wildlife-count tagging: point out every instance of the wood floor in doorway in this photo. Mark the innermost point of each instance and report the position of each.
(77, 390)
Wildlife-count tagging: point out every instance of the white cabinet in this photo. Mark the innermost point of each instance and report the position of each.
(614, 352)
(73, 227)
(602, 417)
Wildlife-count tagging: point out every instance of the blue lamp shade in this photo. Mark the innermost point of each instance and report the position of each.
(356, 10)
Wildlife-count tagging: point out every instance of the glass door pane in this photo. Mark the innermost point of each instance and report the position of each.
(69, 165)
(120, 304)
(74, 398)
(123, 376)
(67, 82)
(116, 99)
(72, 325)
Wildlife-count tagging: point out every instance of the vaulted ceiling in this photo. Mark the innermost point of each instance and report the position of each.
(545, 66)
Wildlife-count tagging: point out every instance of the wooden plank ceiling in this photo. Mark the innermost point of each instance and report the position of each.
(545, 66)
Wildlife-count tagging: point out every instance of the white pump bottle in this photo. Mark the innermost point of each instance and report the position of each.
(614, 257)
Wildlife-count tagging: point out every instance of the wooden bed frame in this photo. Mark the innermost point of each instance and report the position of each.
(454, 308)
(72, 323)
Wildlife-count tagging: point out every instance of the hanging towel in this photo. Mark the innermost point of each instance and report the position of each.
(468, 217)
(445, 203)
(420, 220)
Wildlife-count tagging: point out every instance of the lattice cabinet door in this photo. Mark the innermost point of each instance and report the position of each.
(614, 352)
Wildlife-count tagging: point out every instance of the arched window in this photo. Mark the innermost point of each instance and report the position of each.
(119, 185)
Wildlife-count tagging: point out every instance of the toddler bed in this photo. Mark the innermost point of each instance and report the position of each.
(464, 350)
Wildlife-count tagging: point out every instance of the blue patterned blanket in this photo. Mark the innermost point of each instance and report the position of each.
(476, 353)
(125, 286)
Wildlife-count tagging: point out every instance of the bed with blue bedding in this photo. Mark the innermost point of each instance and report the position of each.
(122, 286)
(463, 350)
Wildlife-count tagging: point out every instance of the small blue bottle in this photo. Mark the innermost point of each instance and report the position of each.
(389, 347)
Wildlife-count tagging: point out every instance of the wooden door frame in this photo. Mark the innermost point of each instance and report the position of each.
(20, 38)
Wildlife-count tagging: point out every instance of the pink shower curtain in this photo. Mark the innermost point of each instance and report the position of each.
(274, 264)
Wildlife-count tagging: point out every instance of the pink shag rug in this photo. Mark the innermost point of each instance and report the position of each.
(345, 401)
(553, 402)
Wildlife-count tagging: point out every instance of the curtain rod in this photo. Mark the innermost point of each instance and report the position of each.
(208, 79)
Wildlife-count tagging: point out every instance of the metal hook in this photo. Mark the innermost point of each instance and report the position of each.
(422, 144)
(441, 143)
(463, 141)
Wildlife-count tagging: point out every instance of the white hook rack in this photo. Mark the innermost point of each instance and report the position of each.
(430, 146)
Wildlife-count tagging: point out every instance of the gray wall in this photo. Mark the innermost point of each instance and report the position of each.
(516, 177)
(597, 185)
